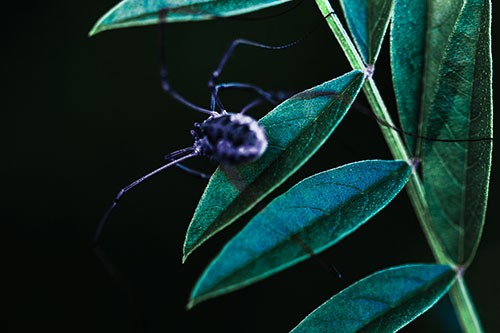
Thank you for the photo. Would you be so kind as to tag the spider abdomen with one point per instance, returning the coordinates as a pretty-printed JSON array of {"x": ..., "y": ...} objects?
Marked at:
[{"x": 231, "y": 139}]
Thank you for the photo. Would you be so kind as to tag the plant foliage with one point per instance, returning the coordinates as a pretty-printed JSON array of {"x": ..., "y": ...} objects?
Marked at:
[
  {"x": 442, "y": 77},
  {"x": 368, "y": 21},
  {"x": 131, "y": 13},
  {"x": 312, "y": 216},
  {"x": 383, "y": 302},
  {"x": 452, "y": 103},
  {"x": 295, "y": 130}
]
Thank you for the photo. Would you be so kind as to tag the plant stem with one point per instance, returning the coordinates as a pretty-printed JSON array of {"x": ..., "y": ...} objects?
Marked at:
[
  {"x": 414, "y": 187},
  {"x": 464, "y": 307},
  {"x": 459, "y": 294}
]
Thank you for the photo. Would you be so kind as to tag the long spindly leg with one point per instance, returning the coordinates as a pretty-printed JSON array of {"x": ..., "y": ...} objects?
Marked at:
[
  {"x": 327, "y": 267},
  {"x": 252, "y": 104},
  {"x": 193, "y": 172},
  {"x": 192, "y": 153},
  {"x": 267, "y": 96},
  {"x": 273, "y": 97},
  {"x": 216, "y": 73},
  {"x": 369, "y": 112},
  {"x": 189, "y": 171},
  {"x": 171, "y": 157},
  {"x": 165, "y": 85}
]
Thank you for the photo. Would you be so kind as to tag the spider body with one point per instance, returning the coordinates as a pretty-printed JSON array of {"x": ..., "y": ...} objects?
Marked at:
[{"x": 230, "y": 138}]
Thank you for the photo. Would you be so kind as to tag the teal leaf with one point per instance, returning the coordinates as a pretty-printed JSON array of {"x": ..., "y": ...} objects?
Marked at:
[
  {"x": 383, "y": 302},
  {"x": 368, "y": 21},
  {"x": 312, "y": 216},
  {"x": 130, "y": 13},
  {"x": 295, "y": 130},
  {"x": 419, "y": 35},
  {"x": 456, "y": 175}
]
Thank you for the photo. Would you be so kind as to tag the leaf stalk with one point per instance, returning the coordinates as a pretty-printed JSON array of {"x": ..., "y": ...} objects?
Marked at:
[{"x": 464, "y": 307}]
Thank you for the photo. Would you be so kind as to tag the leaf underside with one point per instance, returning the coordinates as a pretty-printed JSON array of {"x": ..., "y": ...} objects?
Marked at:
[
  {"x": 382, "y": 302},
  {"x": 368, "y": 21},
  {"x": 456, "y": 175},
  {"x": 441, "y": 62},
  {"x": 419, "y": 35},
  {"x": 130, "y": 13},
  {"x": 295, "y": 130},
  {"x": 312, "y": 216}
]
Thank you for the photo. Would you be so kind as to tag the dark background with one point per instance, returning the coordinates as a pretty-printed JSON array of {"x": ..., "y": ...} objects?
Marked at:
[{"x": 89, "y": 117}]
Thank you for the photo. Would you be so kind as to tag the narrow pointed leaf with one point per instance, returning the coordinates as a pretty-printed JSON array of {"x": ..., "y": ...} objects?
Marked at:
[
  {"x": 383, "y": 302},
  {"x": 368, "y": 21},
  {"x": 312, "y": 216},
  {"x": 456, "y": 175},
  {"x": 295, "y": 130},
  {"x": 419, "y": 35},
  {"x": 129, "y": 13}
]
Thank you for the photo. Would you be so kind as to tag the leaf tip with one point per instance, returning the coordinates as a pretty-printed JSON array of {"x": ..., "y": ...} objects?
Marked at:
[
  {"x": 187, "y": 250},
  {"x": 190, "y": 246},
  {"x": 95, "y": 30},
  {"x": 192, "y": 302}
]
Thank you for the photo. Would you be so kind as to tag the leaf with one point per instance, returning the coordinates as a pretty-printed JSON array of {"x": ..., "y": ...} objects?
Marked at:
[
  {"x": 368, "y": 21},
  {"x": 130, "y": 13},
  {"x": 419, "y": 35},
  {"x": 383, "y": 302},
  {"x": 295, "y": 130},
  {"x": 456, "y": 175},
  {"x": 312, "y": 216}
]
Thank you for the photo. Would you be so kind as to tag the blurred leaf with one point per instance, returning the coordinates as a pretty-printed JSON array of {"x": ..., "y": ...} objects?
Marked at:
[
  {"x": 368, "y": 21},
  {"x": 382, "y": 302},
  {"x": 419, "y": 35},
  {"x": 312, "y": 216},
  {"x": 130, "y": 13},
  {"x": 295, "y": 130},
  {"x": 456, "y": 175}
]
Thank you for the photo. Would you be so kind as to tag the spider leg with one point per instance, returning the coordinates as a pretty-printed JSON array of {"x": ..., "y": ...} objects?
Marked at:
[
  {"x": 252, "y": 104},
  {"x": 189, "y": 171},
  {"x": 216, "y": 73},
  {"x": 273, "y": 97},
  {"x": 193, "y": 172},
  {"x": 267, "y": 96},
  {"x": 170, "y": 157},
  {"x": 165, "y": 85},
  {"x": 124, "y": 190},
  {"x": 328, "y": 267}
]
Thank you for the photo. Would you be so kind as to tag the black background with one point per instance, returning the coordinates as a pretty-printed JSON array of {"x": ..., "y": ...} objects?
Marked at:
[{"x": 89, "y": 117}]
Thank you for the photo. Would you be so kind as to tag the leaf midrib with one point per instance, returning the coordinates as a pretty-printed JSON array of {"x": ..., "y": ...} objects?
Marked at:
[
  {"x": 461, "y": 249},
  {"x": 219, "y": 226},
  {"x": 289, "y": 239},
  {"x": 405, "y": 300}
]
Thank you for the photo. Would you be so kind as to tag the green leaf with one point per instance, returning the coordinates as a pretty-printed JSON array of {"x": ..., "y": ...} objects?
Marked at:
[
  {"x": 368, "y": 21},
  {"x": 130, "y": 13},
  {"x": 383, "y": 302},
  {"x": 456, "y": 175},
  {"x": 295, "y": 130},
  {"x": 419, "y": 35},
  {"x": 312, "y": 216}
]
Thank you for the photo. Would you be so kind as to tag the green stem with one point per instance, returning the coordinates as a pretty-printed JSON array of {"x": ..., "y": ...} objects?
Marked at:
[
  {"x": 415, "y": 188},
  {"x": 460, "y": 297},
  {"x": 464, "y": 307}
]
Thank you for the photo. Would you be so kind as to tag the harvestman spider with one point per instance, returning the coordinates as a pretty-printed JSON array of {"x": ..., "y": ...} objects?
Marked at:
[{"x": 229, "y": 138}]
